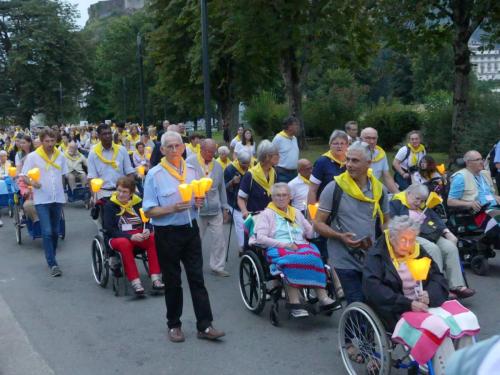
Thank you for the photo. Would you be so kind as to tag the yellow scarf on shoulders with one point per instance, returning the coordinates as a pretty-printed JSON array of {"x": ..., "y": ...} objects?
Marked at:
[
  {"x": 128, "y": 207},
  {"x": 285, "y": 135},
  {"x": 72, "y": 158},
  {"x": 349, "y": 186},
  {"x": 305, "y": 179},
  {"x": 259, "y": 177},
  {"x": 289, "y": 215},
  {"x": 223, "y": 165},
  {"x": 330, "y": 156},
  {"x": 397, "y": 261},
  {"x": 380, "y": 155},
  {"x": 98, "y": 149},
  {"x": 414, "y": 153},
  {"x": 173, "y": 172},
  {"x": 206, "y": 169},
  {"x": 193, "y": 149},
  {"x": 49, "y": 162},
  {"x": 134, "y": 139},
  {"x": 237, "y": 138},
  {"x": 237, "y": 165},
  {"x": 402, "y": 198}
]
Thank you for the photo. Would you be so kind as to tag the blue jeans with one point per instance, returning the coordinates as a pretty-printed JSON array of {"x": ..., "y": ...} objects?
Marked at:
[
  {"x": 285, "y": 175},
  {"x": 351, "y": 284},
  {"x": 50, "y": 217}
]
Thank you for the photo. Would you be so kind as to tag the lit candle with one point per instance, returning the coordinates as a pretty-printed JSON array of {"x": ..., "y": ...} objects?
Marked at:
[
  {"x": 34, "y": 174},
  {"x": 313, "y": 209}
]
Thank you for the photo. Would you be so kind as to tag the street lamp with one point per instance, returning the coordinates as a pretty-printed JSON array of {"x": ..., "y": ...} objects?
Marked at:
[
  {"x": 206, "y": 70},
  {"x": 141, "y": 75}
]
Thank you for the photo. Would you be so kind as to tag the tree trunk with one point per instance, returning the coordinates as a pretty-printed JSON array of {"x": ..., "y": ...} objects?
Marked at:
[
  {"x": 461, "y": 80},
  {"x": 290, "y": 70}
]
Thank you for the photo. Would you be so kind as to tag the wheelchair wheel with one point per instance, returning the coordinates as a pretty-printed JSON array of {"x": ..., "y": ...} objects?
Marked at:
[
  {"x": 479, "y": 265},
  {"x": 100, "y": 266},
  {"x": 252, "y": 283},
  {"x": 17, "y": 223},
  {"x": 361, "y": 330}
]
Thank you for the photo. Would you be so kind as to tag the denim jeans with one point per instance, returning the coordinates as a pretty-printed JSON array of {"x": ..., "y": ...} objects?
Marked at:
[
  {"x": 351, "y": 284},
  {"x": 285, "y": 175},
  {"x": 50, "y": 217}
]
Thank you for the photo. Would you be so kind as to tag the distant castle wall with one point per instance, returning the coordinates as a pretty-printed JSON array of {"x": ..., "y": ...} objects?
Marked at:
[{"x": 107, "y": 8}]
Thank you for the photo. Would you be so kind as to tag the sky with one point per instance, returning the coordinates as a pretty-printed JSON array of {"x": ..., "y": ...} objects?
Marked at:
[{"x": 83, "y": 5}]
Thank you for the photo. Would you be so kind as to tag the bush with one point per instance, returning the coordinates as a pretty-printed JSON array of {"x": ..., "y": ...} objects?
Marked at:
[
  {"x": 265, "y": 115},
  {"x": 437, "y": 121},
  {"x": 392, "y": 121}
]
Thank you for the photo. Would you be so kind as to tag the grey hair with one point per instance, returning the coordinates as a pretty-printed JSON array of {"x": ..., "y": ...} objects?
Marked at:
[
  {"x": 278, "y": 186},
  {"x": 170, "y": 134},
  {"x": 223, "y": 150},
  {"x": 399, "y": 224},
  {"x": 363, "y": 148},
  {"x": 469, "y": 155},
  {"x": 244, "y": 156},
  {"x": 338, "y": 134},
  {"x": 265, "y": 149},
  {"x": 420, "y": 190},
  {"x": 3, "y": 152}
]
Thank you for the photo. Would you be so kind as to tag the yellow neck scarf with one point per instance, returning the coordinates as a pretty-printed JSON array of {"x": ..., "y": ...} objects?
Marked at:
[
  {"x": 63, "y": 147},
  {"x": 173, "y": 172},
  {"x": 193, "y": 149},
  {"x": 330, "y": 156},
  {"x": 98, "y": 149},
  {"x": 397, "y": 261},
  {"x": 72, "y": 158},
  {"x": 414, "y": 153},
  {"x": 128, "y": 207},
  {"x": 402, "y": 197},
  {"x": 349, "y": 186},
  {"x": 237, "y": 165},
  {"x": 285, "y": 135},
  {"x": 223, "y": 165},
  {"x": 380, "y": 155},
  {"x": 289, "y": 215},
  {"x": 142, "y": 157},
  {"x": 304, "y": 179},
  {"x": 49, "y": 162},
  {"x": 134, "y": 139},
  {"x": 207, "y": 169},
  {"x": 237, "y": 138},
  {"x": 259, "y": 177}
]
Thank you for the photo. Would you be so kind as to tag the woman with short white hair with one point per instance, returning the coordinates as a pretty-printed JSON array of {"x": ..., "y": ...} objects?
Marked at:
[{"x": 223, "y": 158}]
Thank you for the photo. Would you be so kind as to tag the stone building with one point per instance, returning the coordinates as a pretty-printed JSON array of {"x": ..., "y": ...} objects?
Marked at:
[
  {"x": 486, "y": 63},
  {"x": 108, "y": 8}
]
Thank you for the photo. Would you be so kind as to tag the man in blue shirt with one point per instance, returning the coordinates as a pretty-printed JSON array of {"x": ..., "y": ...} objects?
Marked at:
[
  {"x": 497, "y": 165},
  {"x": 177, "y": 238}
]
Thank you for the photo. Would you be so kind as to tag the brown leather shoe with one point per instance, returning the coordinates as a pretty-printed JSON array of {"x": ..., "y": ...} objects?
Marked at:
[
  {"x": 210, "y": 334},
  {"x": 176, "y": 335},
  {"x": 464, "y": 292}
]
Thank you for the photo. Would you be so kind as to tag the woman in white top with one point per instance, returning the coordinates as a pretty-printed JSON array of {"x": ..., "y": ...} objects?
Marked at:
[
  {"x": 407, "y": 159},
  {"x": 247, "y": 143}
]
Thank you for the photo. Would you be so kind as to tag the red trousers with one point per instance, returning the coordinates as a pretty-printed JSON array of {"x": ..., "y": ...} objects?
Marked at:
[{"x": 126, "y": 248}]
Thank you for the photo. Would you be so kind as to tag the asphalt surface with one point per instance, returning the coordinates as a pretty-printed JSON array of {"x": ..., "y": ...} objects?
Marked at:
[{"x": 69, "y": 325}]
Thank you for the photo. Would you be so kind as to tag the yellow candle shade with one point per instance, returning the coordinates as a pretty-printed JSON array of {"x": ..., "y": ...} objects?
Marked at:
[
  {"x": 186, "y": 192},
  {"x": 419, "y": 268},
  {"x": 206, "y": 184},
  {"x": 441, "y": 168},
  {"x": 433, "y": 200},
  {"x": 96, "y": 184},
  {"x": 149, "y": 149},
  {"x": 313, "y": 209},
  {"x": 141, "y": 169},
  {"x": 144, "y": 218},
  {"x": 197, "y": 189},
  {"x": 34, "y": 174},
  {"x": 12, "y": 172}
]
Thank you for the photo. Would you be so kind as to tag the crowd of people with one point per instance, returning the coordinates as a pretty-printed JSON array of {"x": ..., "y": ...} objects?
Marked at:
[{"x": 369, "y": 220}]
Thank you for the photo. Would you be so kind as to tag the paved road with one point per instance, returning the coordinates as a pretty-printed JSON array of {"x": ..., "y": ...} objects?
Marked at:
[{"x": 69, "y": 325}]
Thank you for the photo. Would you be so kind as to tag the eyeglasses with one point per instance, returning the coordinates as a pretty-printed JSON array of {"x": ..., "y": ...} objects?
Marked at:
[
  {"x": 335, "y": 144},
  {"x": 173, "y": 147},
  {"x": 480, "y": 159}
]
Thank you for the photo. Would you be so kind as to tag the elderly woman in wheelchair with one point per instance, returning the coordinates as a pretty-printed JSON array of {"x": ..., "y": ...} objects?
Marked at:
[
  {"x": 282, "y": 231},
  {"x": 416, "y": 312}
]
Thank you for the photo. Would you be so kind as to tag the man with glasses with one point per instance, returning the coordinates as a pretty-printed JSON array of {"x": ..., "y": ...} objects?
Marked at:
[
  {"x": 472, "y": 188},
  {"x": 177, "y": 238},
  {"x": 380, "y": 165}
]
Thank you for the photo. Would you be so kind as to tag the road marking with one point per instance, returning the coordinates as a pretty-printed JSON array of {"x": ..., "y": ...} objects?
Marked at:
[{"x": 17, "y": 354}]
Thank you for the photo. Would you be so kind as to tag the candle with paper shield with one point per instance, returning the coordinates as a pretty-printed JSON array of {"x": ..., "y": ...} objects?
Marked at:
[
  {"x": 148, "y": 152},
  {"x": 186, "y": 192},
  {"x": 34, "y": 174},
  {"x": 12, "y": 172},
  {"x": 96, "y": 185},
  {"x": 312, "y": 209},
  {"x": 441, "y": 168},
  {"x": 144, "y": 218},
  {"x": 206, "y": 183},
  {"x": 419, "y": 269},
  {"x": 197, "y": 189},
  {"x": 141, "y": 169}
]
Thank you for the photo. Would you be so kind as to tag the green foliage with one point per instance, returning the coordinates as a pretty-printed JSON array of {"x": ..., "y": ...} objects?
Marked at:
[
  {"x": 437, "y": 119},
  {"x": 265, "y": 115},
  {"x": 392, "y": 121}
]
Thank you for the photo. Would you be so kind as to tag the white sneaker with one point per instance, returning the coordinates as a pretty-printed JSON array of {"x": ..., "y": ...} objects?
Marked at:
[{"x": 299, "y": 313}]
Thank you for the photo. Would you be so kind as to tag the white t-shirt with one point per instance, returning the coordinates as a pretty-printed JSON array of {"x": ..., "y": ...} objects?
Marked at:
[
  {"x": 289, "y": 151},
  {"x": 379, "y": 167},
  {"x": 250, "y": 148},
  {"x": 299, "y": 190},
  {"x": 401, "y": 156}
]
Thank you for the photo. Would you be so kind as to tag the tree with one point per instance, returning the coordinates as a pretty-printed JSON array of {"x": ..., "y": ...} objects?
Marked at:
[
  {"x": 436, "y": 23},
  {"x": 41, "y": 59}
]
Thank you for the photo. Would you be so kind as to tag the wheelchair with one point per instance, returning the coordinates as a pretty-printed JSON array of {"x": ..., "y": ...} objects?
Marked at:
[
  {"x": 78, "y": 194},
  {"x": 256, "y": 283},
  {"x": 7, "y": 190},
  {"x": 362, "y": 329},
  {"x": 107, "y": 262},
  {"x": 34, "y": 230}
]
